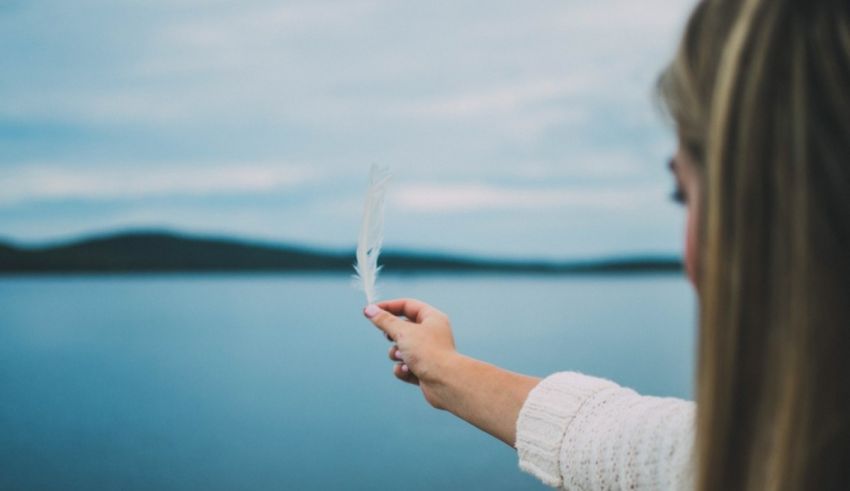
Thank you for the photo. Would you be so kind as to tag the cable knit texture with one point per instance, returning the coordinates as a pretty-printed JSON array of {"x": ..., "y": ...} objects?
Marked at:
[{"x": 584, "y": 433}]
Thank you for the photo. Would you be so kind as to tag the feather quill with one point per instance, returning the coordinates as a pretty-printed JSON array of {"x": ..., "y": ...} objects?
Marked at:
[{"x": 371, "y": 232}]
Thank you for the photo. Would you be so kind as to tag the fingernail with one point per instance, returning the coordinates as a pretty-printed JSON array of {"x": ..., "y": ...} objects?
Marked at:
[
  {"x": 405, "y": 369},
  {"x": 371, "y": 310},
  {"x": 397, "y": 355}
]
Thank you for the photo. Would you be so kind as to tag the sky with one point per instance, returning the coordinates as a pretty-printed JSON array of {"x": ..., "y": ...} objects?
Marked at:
[{"x": 520, "y": 129}]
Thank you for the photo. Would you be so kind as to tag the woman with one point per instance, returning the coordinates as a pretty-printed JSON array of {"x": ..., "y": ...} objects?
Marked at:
[{"x": 760, "y": 93}]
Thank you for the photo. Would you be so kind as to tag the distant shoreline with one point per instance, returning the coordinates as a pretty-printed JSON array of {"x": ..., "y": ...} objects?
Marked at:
[{"x": 162, "y": 253}]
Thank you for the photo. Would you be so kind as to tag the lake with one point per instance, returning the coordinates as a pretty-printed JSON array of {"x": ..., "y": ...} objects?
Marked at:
[{"x": 260, "y": 382}]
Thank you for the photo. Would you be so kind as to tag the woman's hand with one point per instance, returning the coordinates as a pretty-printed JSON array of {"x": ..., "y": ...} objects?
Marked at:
[
  {"x": 424, "y": 346},
  {"x": 482, "y": 394}
]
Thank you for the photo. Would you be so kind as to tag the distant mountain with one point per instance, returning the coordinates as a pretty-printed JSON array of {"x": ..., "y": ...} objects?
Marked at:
[{"x": 160, "y": 252}]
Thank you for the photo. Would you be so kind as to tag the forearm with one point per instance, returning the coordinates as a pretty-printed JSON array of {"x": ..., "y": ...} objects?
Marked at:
[{"x": 484, "y": 395}]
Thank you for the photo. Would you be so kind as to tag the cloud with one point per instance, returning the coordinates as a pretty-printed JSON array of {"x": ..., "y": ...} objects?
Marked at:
[
  {"x": 473, "y": 197},
  {"x": 606, "y": 165},
  {"x": 487, "y": 101},
  {"x": 310, "y": 62},
  {"x": 647, "y": 17},
  {"x": 35, "y": 182},
  {"x": 514, "y": 106},
  {"x": 254, "y": 25},
  {"x": 523, "y": 109}
]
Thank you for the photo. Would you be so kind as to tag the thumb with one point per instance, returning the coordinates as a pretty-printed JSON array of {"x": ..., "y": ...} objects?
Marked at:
[{"x": 384, "y": 320}]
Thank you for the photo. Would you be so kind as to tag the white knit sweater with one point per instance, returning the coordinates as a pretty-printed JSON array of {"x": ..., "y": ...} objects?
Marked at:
[{"x": 584, "y": 433}]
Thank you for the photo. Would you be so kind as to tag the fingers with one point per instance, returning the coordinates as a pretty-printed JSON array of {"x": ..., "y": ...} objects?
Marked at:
[
  {"x": 400, "y": 370},
  {"x": 404, "y": 374},
  {"x": 392, "y": 325},
  {"x": 384, "y": 321},
  {"x": 415, "y": 310}
]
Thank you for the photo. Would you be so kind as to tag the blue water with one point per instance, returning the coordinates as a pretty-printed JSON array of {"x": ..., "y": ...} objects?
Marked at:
[{"x": 277, "y": 382}]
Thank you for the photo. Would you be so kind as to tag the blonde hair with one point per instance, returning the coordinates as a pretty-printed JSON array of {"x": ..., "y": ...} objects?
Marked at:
[{"x": 760, "y": 92}]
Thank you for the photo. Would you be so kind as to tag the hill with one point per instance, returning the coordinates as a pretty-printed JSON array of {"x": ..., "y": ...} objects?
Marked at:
[{"x": 138, "y": 252}]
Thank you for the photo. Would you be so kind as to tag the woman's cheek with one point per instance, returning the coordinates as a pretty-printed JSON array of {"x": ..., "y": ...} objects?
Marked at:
[{"x": 691, "y": 246}]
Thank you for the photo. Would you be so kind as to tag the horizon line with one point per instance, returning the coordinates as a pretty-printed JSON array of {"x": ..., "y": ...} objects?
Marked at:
[{"x": 307, "y": 247}]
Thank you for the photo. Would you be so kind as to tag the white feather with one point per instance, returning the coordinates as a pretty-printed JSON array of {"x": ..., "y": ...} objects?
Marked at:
[{"x": 371, "y": 232}]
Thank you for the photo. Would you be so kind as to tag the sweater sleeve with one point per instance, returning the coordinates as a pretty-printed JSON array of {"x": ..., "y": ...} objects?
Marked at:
[{"x": 581, "y": 432}]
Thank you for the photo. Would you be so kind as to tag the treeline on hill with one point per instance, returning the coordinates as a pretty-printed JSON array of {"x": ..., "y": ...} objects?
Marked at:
[{"x": 167, "y": 252}]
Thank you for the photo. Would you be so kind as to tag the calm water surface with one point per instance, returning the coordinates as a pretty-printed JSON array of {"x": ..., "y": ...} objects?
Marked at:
[{"x": 277, "y": 382}]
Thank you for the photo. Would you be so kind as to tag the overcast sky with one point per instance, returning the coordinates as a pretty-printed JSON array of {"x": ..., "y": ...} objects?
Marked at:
[{"x": 512, "y": 128}]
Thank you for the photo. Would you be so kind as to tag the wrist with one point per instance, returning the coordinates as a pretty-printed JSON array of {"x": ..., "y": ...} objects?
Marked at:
[
  {"x": 445, "y": 366},
  {"x": 445, "y": 384}
]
